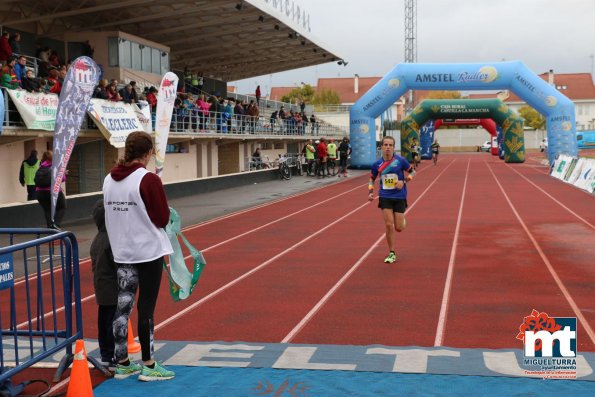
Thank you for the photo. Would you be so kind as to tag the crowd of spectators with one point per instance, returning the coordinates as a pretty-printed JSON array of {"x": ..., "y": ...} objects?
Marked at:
[{"x": 15, "y": 74}]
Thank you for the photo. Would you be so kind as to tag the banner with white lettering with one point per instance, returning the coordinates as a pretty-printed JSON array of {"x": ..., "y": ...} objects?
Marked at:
[
  {"x": 115, "y": 120},
  {"x": 143, "y": 113},
  {"x": 6, "y": 271},
  {"x": 77, "y": 88},
  {"x": 37, "y": 110},
  {"x": 165, "y": 107}
]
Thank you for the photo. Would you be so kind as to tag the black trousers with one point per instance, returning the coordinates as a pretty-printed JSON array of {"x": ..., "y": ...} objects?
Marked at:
[
  {"x": 105, "y": 331},
  {"x": 45, "y": 200},
  {"x": 31, "y": 193}
]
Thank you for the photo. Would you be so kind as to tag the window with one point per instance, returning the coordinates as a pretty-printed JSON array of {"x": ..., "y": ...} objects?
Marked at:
[
  {"x": 146, "y": 57},
  {"x": 164, "y": 63},
  {"x": 124, "y": 60},
  {"x": 112, "y": 52},
  {"x": 155, "y": 61},
  {"x": 136, "y": 55}
]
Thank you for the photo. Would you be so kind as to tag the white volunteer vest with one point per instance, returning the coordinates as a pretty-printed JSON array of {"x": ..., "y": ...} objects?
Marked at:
[{"x": 132, "y": 235}]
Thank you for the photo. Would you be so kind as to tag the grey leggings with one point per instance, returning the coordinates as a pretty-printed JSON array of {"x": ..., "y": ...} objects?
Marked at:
[{"x": 147, "y": 278}]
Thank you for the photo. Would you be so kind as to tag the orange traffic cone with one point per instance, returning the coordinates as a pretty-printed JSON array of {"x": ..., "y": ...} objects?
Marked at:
[
  {"x": 133, "y": 346},
  {"x": 80, "y": 378}
]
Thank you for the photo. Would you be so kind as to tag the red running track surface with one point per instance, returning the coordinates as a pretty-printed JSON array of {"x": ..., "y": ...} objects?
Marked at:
[{"x": 486, "y": 242}]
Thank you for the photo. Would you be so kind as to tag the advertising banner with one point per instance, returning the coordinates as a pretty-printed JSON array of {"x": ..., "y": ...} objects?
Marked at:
[
  {"x": 37, "y": 110},
  {"x": 165, "y": 107},
  {"x": 115, "y": 120},
  {"x": 77, "y": 89},
  {"x": 143, "y": 114}
]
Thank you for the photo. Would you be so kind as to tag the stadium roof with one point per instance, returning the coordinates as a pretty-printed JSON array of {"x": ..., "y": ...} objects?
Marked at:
[{"x": 227, "y": 39}]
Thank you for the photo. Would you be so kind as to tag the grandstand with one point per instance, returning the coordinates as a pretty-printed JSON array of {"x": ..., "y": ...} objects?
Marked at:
[{"x": 139, "y": 40}]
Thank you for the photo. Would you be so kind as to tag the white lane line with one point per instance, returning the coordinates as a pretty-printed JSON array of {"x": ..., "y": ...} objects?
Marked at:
[
  {"x": 549, "y": 266},
  {"x": 60, "y": 309},
  {"x": 304, "y": 321},
  {"x": 451, "y": 265},
  {"x": 554, "y": 199},
  {"x": 254, "y": 270},
  {"x": 85, "y": 260}
]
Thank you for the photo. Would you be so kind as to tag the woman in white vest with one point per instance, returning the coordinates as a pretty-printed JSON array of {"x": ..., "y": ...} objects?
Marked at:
[{"x": 136, "y": 211}]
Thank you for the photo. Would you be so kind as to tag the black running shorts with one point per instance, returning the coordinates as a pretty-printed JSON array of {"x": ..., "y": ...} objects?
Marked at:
[{"x": 397, "y": 205}]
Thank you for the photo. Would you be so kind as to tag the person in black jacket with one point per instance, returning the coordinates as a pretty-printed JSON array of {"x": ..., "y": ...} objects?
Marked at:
[{"x": 105, "y": 282}]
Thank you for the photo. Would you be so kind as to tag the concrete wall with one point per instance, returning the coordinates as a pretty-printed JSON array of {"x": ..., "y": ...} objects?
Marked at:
[{"x": 79, "y": 207}]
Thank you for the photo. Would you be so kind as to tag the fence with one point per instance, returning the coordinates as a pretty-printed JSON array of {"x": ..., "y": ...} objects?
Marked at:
[{"x": 40, "y": 314}]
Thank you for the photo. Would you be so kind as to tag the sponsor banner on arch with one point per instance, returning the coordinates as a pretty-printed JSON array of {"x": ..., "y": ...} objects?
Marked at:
[
  {"x": 37, "y": 110},
  {"x": 115, "y": 120}
]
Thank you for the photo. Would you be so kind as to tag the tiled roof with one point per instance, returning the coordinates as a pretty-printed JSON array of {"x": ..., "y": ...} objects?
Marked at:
[{"x": 576, "y": 86}]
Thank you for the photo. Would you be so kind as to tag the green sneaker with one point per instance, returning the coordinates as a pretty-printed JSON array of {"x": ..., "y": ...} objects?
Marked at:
[
  {"x": 124, "y": 371},
  {"x": 391, "y": 258},
  {"x": 157, "y": 373}
]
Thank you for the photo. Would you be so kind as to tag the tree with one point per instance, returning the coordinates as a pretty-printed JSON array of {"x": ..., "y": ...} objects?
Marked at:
[
  {"x": 532, "y": 117},
  {"x": 304, "y": 93},
  {"x": 443, "y": 95},
  {"x": 326, "y": 97}
]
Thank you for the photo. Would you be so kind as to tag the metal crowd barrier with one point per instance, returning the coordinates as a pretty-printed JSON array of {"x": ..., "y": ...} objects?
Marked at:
[{"x": 40, "y": 311}]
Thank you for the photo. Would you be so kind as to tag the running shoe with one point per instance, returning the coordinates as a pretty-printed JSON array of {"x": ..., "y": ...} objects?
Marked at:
[
  {"x": 391, "y": 258},
  {"x": 124, "y": 371},
  {"x": 110, "y": 364},
  {"x": 157, "y": 373}
]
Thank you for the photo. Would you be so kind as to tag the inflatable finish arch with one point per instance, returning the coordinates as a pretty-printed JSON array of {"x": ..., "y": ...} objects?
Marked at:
[
  {"x": 557, "y": 108},
  {"x": 488, "y": 124},
  {"x": 495, "y": 109}
]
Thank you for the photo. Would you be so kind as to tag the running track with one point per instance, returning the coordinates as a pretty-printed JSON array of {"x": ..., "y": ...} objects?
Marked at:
[{"x": 486, "y": 242}]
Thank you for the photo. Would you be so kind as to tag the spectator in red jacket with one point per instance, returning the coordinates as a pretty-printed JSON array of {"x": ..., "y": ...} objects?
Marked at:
[
  {"x": 5, "y": 50},
  {"x": 322, "y": 153}
]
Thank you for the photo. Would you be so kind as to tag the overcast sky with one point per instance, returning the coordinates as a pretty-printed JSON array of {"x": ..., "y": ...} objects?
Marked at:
[{"x": 369, "y": 35}]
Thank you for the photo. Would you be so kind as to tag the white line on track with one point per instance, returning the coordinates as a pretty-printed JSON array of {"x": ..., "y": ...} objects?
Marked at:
[
  {"x": 60, "y": 309},
  {"x": 451, "y": 265},
  {"x": 269, "y": 261},
  {"x": 254, "y": 270},
  {"x": 555, "y": 200},
  {"x": 85, "y": 260},
  {"x": 549, "y": 266},
  {"x": 304, "y": 321}
]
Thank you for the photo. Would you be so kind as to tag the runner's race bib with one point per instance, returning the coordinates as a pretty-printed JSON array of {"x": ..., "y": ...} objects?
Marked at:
[{"x": 389, "y": 181}]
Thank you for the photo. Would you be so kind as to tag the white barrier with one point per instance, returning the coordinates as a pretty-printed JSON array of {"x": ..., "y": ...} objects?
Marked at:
[{"x": 577, "y": 172}]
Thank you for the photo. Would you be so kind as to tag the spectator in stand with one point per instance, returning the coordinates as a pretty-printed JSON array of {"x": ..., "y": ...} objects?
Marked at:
[
  {"x": 239, "y": 111},
  {"x": 88, "y": 50},
  {"x": 201, "y": 82},
  {"x": 314, "y": 123},
  {"x": 257, "y": 93},
  {"x": 253, "y": 113},
  {"x": 44, "y": 54},
  {"x": 30, "y": 82},
  {"x": 55, "y": 86},
  {"x": 282, "y": 117},
  {"x": 203, "y": 112},
  {"x": 20, "y": 69},
  {"x": 112, "y": 91},
  {"x": 302, "y": 106},
  {"x": 298, "y": 123},
  {"x": 100, "y": 91},
  {"x": 152, "y": 99},
  {"x": 273, "y": 120},
  {"x": 15, "y": 44},
  {"x": 54, "y": 60},
  {"x": 127, "y": 95},
  {"x": 8, "y": 79},
  {"x": 134, "y": 92},
  {"x": 228, "y": 113},
  {"x": 304, "y": 122},
  {"x": 62, "y": 75},
  {"x": 5, "y": 49}
]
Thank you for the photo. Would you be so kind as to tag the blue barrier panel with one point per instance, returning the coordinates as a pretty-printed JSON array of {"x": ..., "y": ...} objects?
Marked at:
[{"x": 40, "y": 310}]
